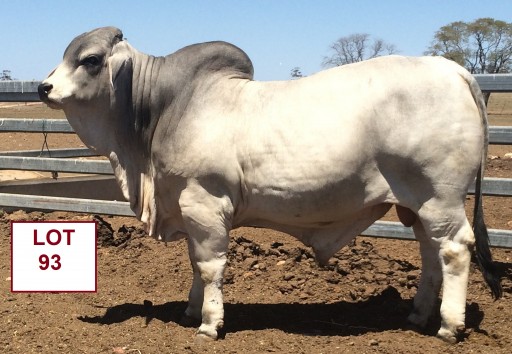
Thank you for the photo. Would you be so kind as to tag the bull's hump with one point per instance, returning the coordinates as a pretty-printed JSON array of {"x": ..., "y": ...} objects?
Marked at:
[{"x": 216, "y": 56}]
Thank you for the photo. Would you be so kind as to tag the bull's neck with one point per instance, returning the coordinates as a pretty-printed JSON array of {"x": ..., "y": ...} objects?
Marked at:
[
  {"x": 147, "y": 105},
  {"x": 136, "y": 113}
]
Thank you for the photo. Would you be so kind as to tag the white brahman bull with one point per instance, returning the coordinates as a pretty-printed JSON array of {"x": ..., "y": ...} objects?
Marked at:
[{"x": 199, "y": 148}]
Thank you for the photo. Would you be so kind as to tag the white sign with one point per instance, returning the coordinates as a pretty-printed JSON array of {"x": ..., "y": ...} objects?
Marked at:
[{"x": 53, "y": 256}]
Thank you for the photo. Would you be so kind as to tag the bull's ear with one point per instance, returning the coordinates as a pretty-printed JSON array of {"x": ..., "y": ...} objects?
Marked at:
[{"x": 120, "y": 67}]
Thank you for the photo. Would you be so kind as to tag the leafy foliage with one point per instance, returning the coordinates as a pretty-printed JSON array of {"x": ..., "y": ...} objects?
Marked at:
[{"x": 483, "y": 46}]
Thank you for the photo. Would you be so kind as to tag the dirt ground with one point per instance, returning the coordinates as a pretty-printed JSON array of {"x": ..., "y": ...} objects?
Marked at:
[{"x": 277, "y": 299}]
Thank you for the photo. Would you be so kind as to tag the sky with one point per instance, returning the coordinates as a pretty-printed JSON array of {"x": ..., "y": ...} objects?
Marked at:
[{"x": 278, "y": 35}]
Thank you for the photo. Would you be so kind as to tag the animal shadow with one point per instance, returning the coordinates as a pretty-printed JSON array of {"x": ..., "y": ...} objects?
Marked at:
[
  {"x": 382, "y": 312},
  {"x": 168, "y": 312}
]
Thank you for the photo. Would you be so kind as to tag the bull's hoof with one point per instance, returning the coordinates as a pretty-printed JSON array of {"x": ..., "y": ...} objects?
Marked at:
[
  {"x": 208, "y": 332},
  {"x": 449, "y": 336}
]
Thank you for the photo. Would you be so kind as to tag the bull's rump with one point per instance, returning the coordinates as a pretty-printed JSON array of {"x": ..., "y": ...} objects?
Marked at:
[{"x": 351, "y": 137}]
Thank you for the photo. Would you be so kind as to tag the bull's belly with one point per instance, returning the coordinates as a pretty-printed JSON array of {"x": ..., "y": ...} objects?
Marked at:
[
  {"x": 315, "y": 220},
  {"x": 325, "y": 230},
  {"x": 336, "y": 204}
]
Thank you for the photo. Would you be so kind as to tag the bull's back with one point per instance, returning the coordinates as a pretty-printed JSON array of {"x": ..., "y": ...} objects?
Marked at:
[{"x": 350, "y": 115}]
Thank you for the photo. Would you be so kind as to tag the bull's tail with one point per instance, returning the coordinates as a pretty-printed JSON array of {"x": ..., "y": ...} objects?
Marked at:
[{"x": 483, "y": 253}]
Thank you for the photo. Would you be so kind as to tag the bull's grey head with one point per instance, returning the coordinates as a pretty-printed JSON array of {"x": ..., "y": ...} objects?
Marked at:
[
  {"x": 86, "y": 66},
  {"x": 84, "y": 84}
]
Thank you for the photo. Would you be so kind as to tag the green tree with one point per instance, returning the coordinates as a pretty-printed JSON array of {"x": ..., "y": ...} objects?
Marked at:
[
  {"x": 483, "y": 46},
  {"x": 356, "y": 47}
]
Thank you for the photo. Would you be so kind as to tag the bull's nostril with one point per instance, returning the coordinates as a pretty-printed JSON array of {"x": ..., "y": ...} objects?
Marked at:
[{"x": 44, "y": 89}]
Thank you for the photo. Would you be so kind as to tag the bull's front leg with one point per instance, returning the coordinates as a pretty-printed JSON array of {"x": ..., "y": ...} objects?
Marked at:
[
  {"x": 205, "y": 219},
  {"x": 210, "y": 261}
]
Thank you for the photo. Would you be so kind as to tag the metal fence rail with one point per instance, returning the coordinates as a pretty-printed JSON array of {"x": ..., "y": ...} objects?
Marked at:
[
  {"x": 494, "y": 82},
  {"x": 383, "y": 229},
  {"x": 391, "y": 229},
  {"x": 496, "y": 187},
  {"x": 499, "y": 135},
  {"x": 35, "y": 125},
  {"x": 66, "y": 152},
  {"x": 26, "y": 91},
  {"x": 19, "y": 91},
  {"x": 78, "y": 205},
  {"x": 55, "y": 164},
  {"x": 55, "y": 161}
]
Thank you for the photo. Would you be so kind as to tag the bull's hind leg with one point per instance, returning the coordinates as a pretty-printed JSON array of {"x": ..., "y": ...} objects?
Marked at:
[
  {"x": 431, "y": 277},
  {"x": 195, "y": 296},
  {"x": 448, "y": 225}
]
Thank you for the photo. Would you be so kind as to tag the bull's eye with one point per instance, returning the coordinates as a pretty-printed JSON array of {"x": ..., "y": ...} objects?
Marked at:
[{"x": 91, "y": 60}]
